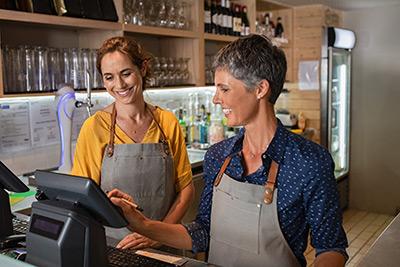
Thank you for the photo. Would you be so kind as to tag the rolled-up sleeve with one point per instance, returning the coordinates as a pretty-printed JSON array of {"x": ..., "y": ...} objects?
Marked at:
[{"x": 324, "y": 214}]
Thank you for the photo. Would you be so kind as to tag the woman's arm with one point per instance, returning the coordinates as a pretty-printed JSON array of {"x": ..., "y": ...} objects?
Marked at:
[
  {"x": 174, "y": 235},
  {"x": 180, "y": 205},
  {"x": 330, "y": 259}
]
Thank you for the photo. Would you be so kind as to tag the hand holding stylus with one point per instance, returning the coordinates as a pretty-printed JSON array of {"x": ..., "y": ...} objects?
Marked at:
[{"x": 130, "y": 209}]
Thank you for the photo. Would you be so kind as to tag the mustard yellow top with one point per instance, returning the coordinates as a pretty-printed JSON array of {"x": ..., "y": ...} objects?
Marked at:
[{"x": 94, "y": 137}]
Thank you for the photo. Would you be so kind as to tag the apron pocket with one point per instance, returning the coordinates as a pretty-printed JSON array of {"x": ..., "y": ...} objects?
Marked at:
[
  {"x": 235, "y": 222},
  {"x": 142, "y": 176}
]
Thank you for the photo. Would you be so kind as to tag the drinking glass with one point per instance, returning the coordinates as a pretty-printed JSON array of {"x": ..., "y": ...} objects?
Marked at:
[
  {"x": 66, "y": 66},
  {"x": 152, "y": 14},
  {"x": 30, "y": 68},
  {"x": 138, "y": 16},
  {"x": 54, "y": 68},
  {"x": 9, "y": 70},
  {"x": 172, "y": 17},
  {"x": 162, "y": 14},
  {"x": 75, "y": 68},
  {"x": 97, "y": 81},
  {"x": 86, "y": 70},
  {"x": 127, "y": 5},
  {"x": 182, "y": 21}
]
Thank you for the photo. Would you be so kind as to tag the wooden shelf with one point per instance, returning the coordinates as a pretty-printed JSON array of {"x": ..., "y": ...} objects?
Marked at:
[
  {"x": 159, "y": 31},
  {"x": 220, "y": 38},
  {"x": 52, "y": 20},
  {"x": 29, "y": 94}
]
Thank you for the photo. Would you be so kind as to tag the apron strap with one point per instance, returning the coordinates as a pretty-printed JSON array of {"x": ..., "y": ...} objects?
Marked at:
[
  {"x": 270, "y": 183},
  {"x": 222, "y": 171},
  {"x": 163, "y": 138},
  {"x": 110, "y": 148}
]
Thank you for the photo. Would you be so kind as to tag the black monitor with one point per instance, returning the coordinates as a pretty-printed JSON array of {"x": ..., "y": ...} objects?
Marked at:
[
  {"x": 9, "y": 182},
  {"x": 82, "y": 191}
]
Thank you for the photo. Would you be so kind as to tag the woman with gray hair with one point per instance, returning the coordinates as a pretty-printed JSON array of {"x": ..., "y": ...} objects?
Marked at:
[{"x": 265, "y": 188}]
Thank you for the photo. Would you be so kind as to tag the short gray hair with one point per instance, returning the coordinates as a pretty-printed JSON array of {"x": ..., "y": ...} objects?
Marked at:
[{"x": 254, "y": 58}]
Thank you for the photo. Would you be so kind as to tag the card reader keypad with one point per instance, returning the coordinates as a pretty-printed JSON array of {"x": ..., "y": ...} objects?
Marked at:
[
  {"x": 20, "y": 226},
  {"x": 127, "y": 258}
]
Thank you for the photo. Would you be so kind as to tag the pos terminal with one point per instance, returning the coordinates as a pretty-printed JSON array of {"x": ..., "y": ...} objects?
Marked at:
[{"x": 66, "y": 229}]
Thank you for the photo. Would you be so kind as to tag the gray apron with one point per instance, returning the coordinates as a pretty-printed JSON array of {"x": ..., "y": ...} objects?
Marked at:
[
  {"x": 245, "y": 229},
  {"x": 144, "y": 171}
]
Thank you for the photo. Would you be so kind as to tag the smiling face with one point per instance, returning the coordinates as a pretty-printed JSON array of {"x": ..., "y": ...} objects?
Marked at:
[
  {"x": 238, "y": 104},
  {"x": 122, "y": 79}
]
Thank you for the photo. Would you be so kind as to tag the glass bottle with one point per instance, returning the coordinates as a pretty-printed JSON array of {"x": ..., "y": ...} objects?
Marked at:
[
  {"x": 216, "y": 129},
  {"x": 207, "y": 16}
]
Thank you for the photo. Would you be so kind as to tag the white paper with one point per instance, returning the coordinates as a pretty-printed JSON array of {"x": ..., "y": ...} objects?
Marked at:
[
  {"x": 44, "y": 126},
  {"x": 14, "y": 126},
  {"x": 309, "y": 75}
]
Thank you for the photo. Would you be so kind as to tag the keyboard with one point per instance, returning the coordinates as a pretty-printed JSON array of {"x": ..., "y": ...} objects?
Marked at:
[
  {"x": 128, "y": 258},
  {"x": 20, "y": 226}
]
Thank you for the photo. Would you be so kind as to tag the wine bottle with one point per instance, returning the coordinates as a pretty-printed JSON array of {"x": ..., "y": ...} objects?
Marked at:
[
  {"x": 279, "y": 28},
  {"x": 245, "y": 30},
  {"x": 220, "y": 27},
  {"x": 238, "y": 23},
  {"x": 224, "y": 21},
  {"x": 229, "y": 18},
  {"x": 207, "y": 16},
  {"x": 214, "y": 17}
]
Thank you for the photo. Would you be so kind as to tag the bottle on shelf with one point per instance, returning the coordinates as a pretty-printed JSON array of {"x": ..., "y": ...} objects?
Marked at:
[
  {"x": 279, "y": 28},
  {"x": 214, "y": 17},
  {"x": 237, "y": 23},
  {"x": 245, "y": 27},
  {"x": 216, "y": 129},
  {"x": 229, "y": 18},
  {"x": 220, "y": 26},
  {"x": 224, "y": 12},
  {"x": 271, "y": 26},
  {"x": 203, "y": 126},
  {"x": 207, "y": 17},
  {"x": 182, "y": 123}
]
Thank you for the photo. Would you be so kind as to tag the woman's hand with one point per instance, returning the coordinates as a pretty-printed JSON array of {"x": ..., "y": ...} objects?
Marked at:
[
  {"x": 129, "y": 208},
  {"x": 137, "y": 241}
]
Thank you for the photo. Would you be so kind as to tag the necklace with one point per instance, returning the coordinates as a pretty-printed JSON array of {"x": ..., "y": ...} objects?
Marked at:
[{"x": 252, "y": 154}]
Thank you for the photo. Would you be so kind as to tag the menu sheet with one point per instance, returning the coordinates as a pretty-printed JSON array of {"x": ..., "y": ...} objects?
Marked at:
[
  {"x": 43, "y": 123},
  {"x": 14, "y": 126}
]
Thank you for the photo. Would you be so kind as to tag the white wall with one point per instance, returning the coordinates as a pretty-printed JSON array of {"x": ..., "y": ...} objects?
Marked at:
[{"x": 375, "y": 136}]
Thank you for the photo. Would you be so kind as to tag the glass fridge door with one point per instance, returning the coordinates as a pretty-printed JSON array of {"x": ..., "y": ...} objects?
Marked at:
[{"x": 339, "y": 108}]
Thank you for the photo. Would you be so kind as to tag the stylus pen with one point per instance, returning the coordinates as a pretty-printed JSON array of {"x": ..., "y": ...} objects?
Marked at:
[{"x": 132, "y": 204}]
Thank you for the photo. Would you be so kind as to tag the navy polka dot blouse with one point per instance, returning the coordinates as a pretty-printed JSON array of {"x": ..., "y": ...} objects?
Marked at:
[{"x": 308, "y": 199}]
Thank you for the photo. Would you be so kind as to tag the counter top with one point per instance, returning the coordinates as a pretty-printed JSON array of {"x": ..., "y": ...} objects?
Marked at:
[
  {"x": 196, "y": 157},
  {"x": 385, "y": 250}
]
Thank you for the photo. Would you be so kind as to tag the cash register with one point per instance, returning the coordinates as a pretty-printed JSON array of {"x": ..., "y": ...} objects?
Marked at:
[{"x": 67, "y": 227}]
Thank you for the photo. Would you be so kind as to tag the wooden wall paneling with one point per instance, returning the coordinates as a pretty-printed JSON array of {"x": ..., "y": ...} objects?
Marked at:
[{"x": 289, "y": 61}]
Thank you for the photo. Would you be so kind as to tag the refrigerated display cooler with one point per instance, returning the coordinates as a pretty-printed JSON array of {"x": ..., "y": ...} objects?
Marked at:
[{"x": 335, "y": 101}]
